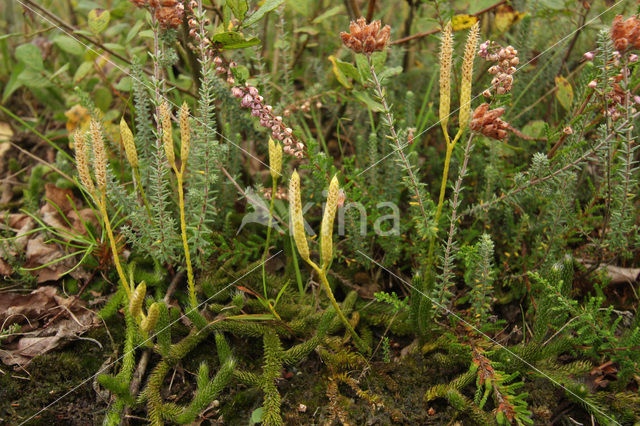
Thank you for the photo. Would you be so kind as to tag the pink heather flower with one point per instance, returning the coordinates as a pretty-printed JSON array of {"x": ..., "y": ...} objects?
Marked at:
[
  {"x": 592, "y": 84},
  {"x": 236, "y": 92},
  {"x": 589, "y": 56},
  {"x": 253, "y": 91},
  {"x": 633, "y": 58},
  {"x": 636, "y": 99},
  {"x": 246, "y": 101}
]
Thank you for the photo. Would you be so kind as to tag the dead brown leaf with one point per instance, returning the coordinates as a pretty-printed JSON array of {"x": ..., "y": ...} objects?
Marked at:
[
  {"x": 62, "y": 211},
  {"x": 30, "y": 311}
]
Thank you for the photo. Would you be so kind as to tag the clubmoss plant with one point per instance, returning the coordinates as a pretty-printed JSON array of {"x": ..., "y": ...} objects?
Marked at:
[
  {"x": 99, "y": 190},
  {"x": 326, "y": 242}
]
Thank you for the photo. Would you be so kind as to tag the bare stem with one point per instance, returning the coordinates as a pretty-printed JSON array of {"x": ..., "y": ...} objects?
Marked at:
[
  {"x": 187, "y": 256},
  {"x": 325, "y": 283},
  {"x": 102, "y": 204}
]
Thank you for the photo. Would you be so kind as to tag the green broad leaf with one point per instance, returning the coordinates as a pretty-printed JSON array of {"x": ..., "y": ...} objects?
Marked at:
[
  {"x": 241, "y": 74},
  {"x": 366, "y": 99},
  {"x": 98, "y": 20},
  {"x": 534, "y": 129},
  {"x": 329, "y": 14},
  {"x": 300, "y": 6},
  {"x": 69, "y": 45},
  {"x": 103, "y": 98},
  {"x": 379, "y": 59},
  {"x": 239, "y": 8},
  {"x": 124, "y": 85},
  {"x": 30, "y": 56},
  {"x": 564, "y": 92},
  {"x": 234, "y": 40},
  {"x": 266, "y": 7},
  {"x": 59, "y": 71},
  {"x": 363, "y": 67},
  {"x": 553, "y": 4},
  {"x": 133, "y": 32},
  {"x": 256, "y": 416},
  {"x": 33, "y": 79},
  {"x": 84, "y": 33},
  {"x": 389, "y": 72},
  {"x": 14, "y": 82},
  {"x": 82, "y": 71},
  {"x": 146, "y": 33},
  {"x": 346, "y": 69},
  {"x": 339, "y": 73},
  {"x": 226, "y": 16},
  {"x": 308, "y": 29},
  {"x": 116, "y": 47}
]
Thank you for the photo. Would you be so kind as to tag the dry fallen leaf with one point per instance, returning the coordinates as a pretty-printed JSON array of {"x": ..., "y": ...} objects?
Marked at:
[
  {"x": 30, "y": 311},
  {"x": 61, "y": 211}
]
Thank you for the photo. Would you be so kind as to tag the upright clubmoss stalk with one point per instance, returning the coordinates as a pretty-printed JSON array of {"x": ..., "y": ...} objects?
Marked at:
[
  {"x": 275, "y": 167},
  {"x": 99, "y": 190},
  {"x": 326, "y": 244},
  {"x": 465, "y": 105},
  {"x": 185, "y": 141}
]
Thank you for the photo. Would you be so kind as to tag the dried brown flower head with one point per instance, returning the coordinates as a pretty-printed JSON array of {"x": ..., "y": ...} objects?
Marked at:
[
  {"x": 366, "y": 38},
  {"x": 170, "y": 14},
  {"x": 488, "y": 122},
  {"x": 625, "y": 33}
]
